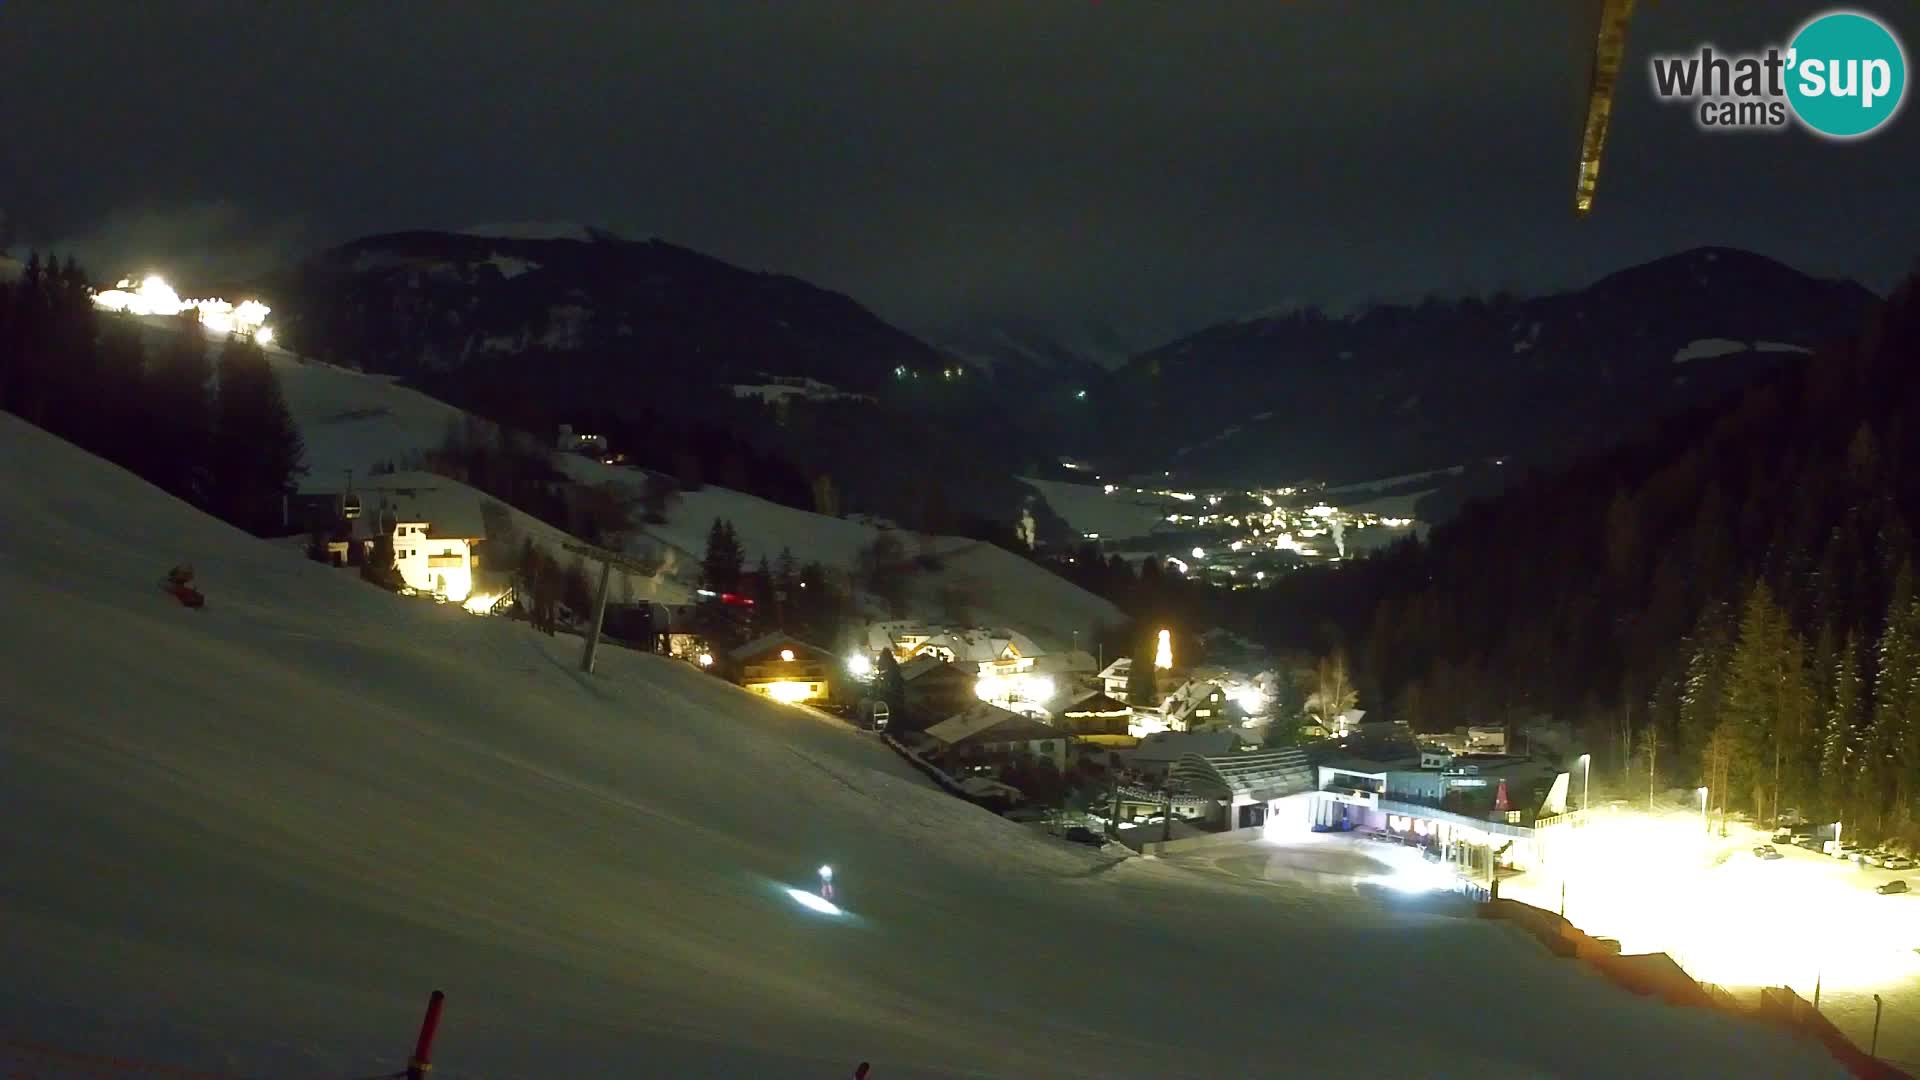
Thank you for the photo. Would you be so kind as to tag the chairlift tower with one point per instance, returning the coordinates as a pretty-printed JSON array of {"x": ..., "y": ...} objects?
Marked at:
[{"x": 607, "y": 560}]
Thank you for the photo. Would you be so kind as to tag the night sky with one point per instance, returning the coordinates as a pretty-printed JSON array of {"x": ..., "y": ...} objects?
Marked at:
[{"x": 1155, "y": 165}]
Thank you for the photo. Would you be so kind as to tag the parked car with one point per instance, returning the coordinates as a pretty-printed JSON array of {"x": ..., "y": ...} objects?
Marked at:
[
  {"x": 1873, "y": 858},
  {"x": 1771, "y": 854},
  {"x": 1080, "y": 834},
  {"x": 1897, "y": 862},
  {"x": 1765, "y": 850},
  {"x": 1783, "y": 837},
  {"x": 1897, "y": 885}
]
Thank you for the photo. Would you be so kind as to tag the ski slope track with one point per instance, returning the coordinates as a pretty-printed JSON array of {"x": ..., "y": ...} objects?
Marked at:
[{"x": 249, "y": 839}]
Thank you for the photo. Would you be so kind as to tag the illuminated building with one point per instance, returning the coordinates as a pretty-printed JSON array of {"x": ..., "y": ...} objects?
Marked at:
[
  {"x": 790, "y": 671},
  {"x": 435, "y": 528},
  {"x": 1096, "y": 718}
]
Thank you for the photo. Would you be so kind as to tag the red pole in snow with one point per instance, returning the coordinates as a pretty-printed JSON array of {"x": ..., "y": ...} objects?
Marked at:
[{"x": 421, "y": 1063}]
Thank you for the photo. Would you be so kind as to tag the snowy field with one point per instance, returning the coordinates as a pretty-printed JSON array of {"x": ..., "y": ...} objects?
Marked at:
[
  {"x": 1123, "y": 515},
  {"x": 1000, "y": 588},
  {"x": 250, "y": 839}
]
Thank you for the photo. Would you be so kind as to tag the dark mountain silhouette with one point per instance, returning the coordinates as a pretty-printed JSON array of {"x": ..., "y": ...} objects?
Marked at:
[{"x": 1401, "y": 389}]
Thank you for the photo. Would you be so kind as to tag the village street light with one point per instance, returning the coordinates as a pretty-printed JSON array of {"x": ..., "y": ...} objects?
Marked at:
[
  {"x": 1586, "y": 783},
  {"x": 1703, "y": 811}
]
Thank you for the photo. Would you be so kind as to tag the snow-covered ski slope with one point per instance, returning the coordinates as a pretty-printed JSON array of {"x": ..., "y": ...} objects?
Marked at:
[
  {"x": 250, "y": 839},
  {"x": 352, "y": 421},
  {"x": 996, "y": 587}
]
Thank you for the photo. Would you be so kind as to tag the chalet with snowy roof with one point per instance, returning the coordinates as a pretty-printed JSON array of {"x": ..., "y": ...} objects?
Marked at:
[
  {"x": 986, "y": 735},
  {"x": 1195, "y": 706},
  {"x": 1113, "y": 678},
  {"x": 937, "y": 689},
  {"x": 1156, "y": 753},
  {"x": 992, "y": 650},
  {"x": 435, "y": 525},
  {"x": 786, "y": 669},
  {"x": 1096, "y": 718},
  {"x": 1075, "y": 666}
]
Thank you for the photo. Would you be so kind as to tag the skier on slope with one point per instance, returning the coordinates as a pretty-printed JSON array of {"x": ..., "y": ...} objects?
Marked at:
[{"x": 180, "y": 583}]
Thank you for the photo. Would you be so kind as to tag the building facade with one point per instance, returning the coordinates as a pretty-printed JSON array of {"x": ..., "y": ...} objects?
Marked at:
[{"x": 785, "y": 669}]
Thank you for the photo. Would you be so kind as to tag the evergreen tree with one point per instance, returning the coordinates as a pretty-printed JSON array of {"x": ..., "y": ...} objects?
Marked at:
[
  {"x": 786, "y": 584},
  {"x": 720, "y": 568},
  {"x": 182, "y": 413},
  {"x": 760, "y": 585},
  {"x": 123, "y": 397},
  {"x": 1766, "y": 700},
  {"x": 892, "y": 689},
  {"x": 1839, "y": 770},
  {"x": 1895, "y": 734},
  {"x": 1143, "y": 678},
  {"x": 1703, "y": 685},
  {"x": 379, "y": 567},
  {"x": 257, "y": 450}
]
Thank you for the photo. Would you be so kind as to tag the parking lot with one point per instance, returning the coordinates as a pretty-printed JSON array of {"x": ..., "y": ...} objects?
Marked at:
[{"x": 1662, "y": 882}]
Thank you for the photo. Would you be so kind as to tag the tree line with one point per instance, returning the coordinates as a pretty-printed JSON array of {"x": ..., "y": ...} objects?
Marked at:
[
  {"x": 1726, "y": 602},
  {"x": 802, "y": 599},
  {"x": 209, "y": 427}
]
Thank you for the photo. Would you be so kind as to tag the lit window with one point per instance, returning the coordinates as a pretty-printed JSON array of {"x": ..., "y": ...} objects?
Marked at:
[{"x": 786, "y": 654}]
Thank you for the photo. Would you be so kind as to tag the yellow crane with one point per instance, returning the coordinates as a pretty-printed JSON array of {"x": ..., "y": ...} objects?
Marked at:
[{"x": 1609, "y": 52}]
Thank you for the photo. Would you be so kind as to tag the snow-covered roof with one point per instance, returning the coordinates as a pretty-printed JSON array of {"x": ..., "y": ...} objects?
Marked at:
[
  {"x": 980, "y": 644},
  {"x": 1095, "y": 703},
  {"x": 448, "y": 510},
  {"x": 990, "y": 723},
  {"x": 924, "y": 664},
  {"x": 1191, "y": 695},
  {"x": 985, "y": 787},
  {"x": 766, "y": 642},
  {"x": 1268, "y": 774},
  {"x": 1071, "y": 662},
  {"x": 1167, "y": 746},
  {"x": 1119, "y": 669}
]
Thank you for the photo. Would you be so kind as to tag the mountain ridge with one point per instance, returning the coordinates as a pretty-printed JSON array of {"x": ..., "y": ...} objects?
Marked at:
[{"x": 1402, "y": 388}]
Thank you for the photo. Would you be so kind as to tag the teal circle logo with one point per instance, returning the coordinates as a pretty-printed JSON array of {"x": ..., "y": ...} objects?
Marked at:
[{"x": 1847, "y": 74}]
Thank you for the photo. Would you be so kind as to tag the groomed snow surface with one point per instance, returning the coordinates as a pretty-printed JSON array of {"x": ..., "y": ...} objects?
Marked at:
[
  {"x": 250, "y": 839},
  {"x": 998, "y": 587}
]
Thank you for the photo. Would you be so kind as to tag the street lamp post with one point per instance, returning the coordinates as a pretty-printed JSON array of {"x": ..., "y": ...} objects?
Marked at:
[
  {"x": 1704, "y": 824},
  {"x": 1586, "y": 782}
]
